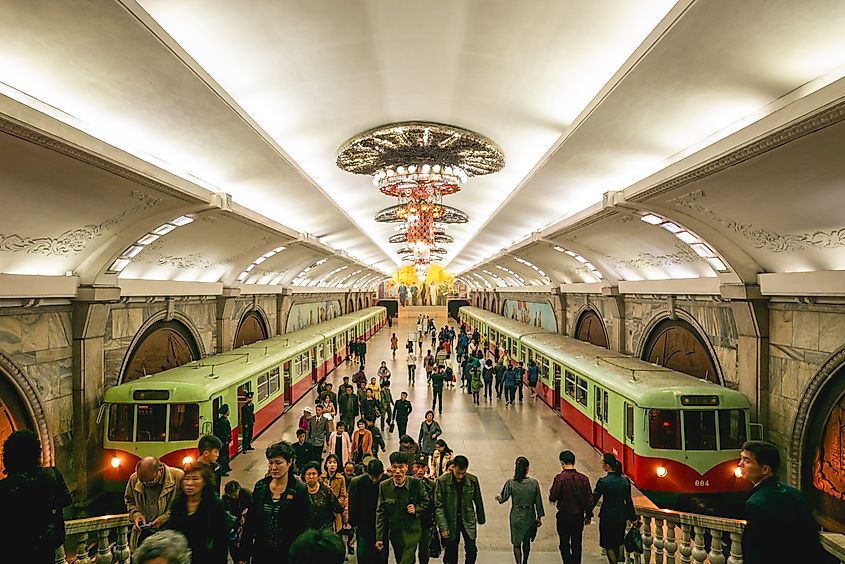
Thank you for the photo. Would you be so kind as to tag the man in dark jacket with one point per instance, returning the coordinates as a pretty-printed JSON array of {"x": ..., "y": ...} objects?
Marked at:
[
  {"x": 401, "y": 411},
  {"x": 223, "y": 431},
  {"x": 371, "y": 408},
  {"x": 437, "y": 377},
  {"x": 402, "y": 499},
  {"x": 363, "y": 500},
  {"x": 362, "y": 352},
  {"x": 348, "y": 406},
  {"x": 772, "y": 506},
  {"x": 573, "y": 496},
  {"x": 427, "y": 516},
  {"x": 499, "y": 374},
  {"x": 459, "y": 509},
  {"x": 248, "y": 421},
  {"x": 303, "y": 452}
]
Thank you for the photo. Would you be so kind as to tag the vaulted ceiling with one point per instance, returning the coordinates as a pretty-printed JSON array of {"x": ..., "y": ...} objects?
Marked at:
[{"x": 722, "y": 119}]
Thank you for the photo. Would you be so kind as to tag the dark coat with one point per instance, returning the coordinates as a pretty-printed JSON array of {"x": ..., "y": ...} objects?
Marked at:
[
  {"x": 293, "y": 515},
  {"x": 248, "y": 414},
  {"x": 363, "y": 500},
  {"x": 348, "y": 406},
  {"x": 402, "y": 409},
  {"x": 223, "y": 430},
  {"x": 207, "y": 530},
  {"x": 771, "y": 507},
  {"x": 446, "y": 505},
  {"x": 392, "y": 514},
  {"x": 615, "y": 489}
]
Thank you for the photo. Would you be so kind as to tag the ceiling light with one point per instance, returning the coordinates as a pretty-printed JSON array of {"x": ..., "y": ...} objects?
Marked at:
[
  {"x": 580, "y": 259},
  {"x": 279, "y": 249},
  {"x": 671, "y": 227},
  {"x": 260, "y": 259},
  {"x": 570, "y": 253},
  {"x": 147, "y": 239},
  {"x": 687, "y": 237},
  {"x": 249, "y": 268},
  {"x": 164, "y": 229},
  {"x": 182, "y": 220},
  {"x": 703, "y": 250},
  {"x": 242, "y": 276},
  {"x": 716, "y": 264},
  {"x": 118, "y": 265},
  {"x": 559, "y": 249},
  {"x": 652, "y": 219},
  {"x": 132, "y": 251}
]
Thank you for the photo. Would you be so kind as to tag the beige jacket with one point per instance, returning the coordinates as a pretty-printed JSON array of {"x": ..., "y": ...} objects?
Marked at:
[{"x": 135, "y": 494}]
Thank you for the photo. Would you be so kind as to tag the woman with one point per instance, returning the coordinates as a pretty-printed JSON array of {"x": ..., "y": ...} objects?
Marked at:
[
  {"x": 487, "y": 376},
  {"x": 617, "y": 509},
  {"x": 384, "y": 372},
  {"x": 278, "y": 512},
  {"x": 236, "y": 501},
  {"x": 394, "y": 344},
  {"x": 440, "y": 458},
  {"x": 526, "y": 509},
  {"x": 340, "y": 443},
  {"x": 323, "y": 506},
  {"x": 31, "y": 498},
  {"x": 362, "y": 442},
  {"x": 533, "y": 377},
  {"x": 199, "y": 514},
  {"x": 475, "y": 382},
  {"x": 335, "y": 482},
  {"x": 376, "y": 388},
  {"x": 409, "y": 447},
  {"x": 328, "y": 406},
  {"x": 430, "y": 431}
]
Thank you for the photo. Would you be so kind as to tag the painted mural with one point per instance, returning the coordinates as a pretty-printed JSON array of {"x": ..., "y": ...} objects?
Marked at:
[
  {"x": 538, "y": 314},
  {"x": 304, "y": 315}
]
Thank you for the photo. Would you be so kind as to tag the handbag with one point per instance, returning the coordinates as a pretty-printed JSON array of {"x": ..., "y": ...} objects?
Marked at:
[
  {"x": 634, "y": 540},
  {"x": 434, "y": 547}
]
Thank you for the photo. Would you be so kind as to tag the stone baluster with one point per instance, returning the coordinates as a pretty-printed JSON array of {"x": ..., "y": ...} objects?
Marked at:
[
  {"x": 121, "y": 551},
  {"x": 686, "y": 545},
  {"x": 104, "y": 555},
  {"x": 716, "y": 556},
  {"x": 647, "y": 539},
  {"x": 82, "y": 550},
  {"x": 699, "y": 553},
  {"x": 659, "y": 554},
  {"x": 671, "y": 544},
  {"x": 736, "y": 549},
  {"x": 61, "y": 557}
]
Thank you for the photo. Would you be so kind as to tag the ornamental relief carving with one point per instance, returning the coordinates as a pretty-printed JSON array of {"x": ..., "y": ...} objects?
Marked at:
[
  {"x": 683, "y": 255},
  {"x": 73, "y": 241},
  {"x": 154, "y": 254},
  {"x": 762, "y": 238}
]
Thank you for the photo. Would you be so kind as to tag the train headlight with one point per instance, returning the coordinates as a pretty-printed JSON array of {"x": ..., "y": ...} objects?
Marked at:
[
  {"x": 115, "y": 462},
  {"x": 661, "y": 471},
  {"x": 738, "y": 472},
  {"x": 187, "y": 460}
]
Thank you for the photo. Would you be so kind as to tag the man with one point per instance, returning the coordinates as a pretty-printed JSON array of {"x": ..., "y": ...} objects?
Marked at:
[
  {"x": 362, "y": 352},
  {"x": 386, "y": 406},
  {"x": 371, "y": 408},
  {"x": 400, "y": 502},
  {"x": 164, "y": 547},
  {"x": 401, "y": 411},
  {"x": 428, "y": 364},
  {"x": 348, "y": 406},
  {"x": 209, "y": 452},
  {"x": 378, "y": 438},
  {"x": 519, "y": 373},
  {"x": 426, "y": 517},
  {"x": 318, "y": 429},
  {"x": 437, "y": 377},
  {"x": 149, "y": 493},
  {"x": 771, "y": 506},
  {"x": 302, "y": 450},
  {"x": 360, "y": 377},
  {"x": 459, "y": 508},
  {"x": 412, "y": 367},
  {"x": 363, "y": 500},
  {"x": 247, "y": 421},
  {"x": 573, "y": 495},
  {"x": 223, "y": 431}
]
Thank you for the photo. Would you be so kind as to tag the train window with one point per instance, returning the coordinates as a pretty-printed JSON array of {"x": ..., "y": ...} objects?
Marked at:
[
  {"x": 731, "y": 429},
  {"x": 700, "y": 430},
  {"x": 263, "y": 387},
  {"x": 629, "y": 421},
  {"x": 570, "y": 384},
  {"x": 273, "y": 382},
  {"x": 514, "y": 347},
  {"x": 664, "y": 428},
  {"x": 581, "y": 391},
  {"x": 184, "y": 421},
  {"x": 121, "y": 421},
  {"x": 152, "y": 422}
]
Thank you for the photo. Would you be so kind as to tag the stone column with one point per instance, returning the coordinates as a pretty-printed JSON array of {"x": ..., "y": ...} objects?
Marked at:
[
  {"x": 90, "y": 314},
  {"x": 283, "y": 303},
  {"x": 751, "y": 313},
  {"x": 559, "y": 305},
  {"x": 226, "y": 323},
  {"x": 616, "y": 323}
]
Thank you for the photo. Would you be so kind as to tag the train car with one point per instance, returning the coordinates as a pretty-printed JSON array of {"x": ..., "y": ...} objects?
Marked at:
[
  {"x": 497, "y": 330},
  {"x": 678, "y": 437},
  {"x": 164, "y": 414}
]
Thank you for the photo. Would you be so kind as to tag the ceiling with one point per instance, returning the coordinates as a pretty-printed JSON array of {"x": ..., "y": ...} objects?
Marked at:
[{"x": 121, "y": 115}]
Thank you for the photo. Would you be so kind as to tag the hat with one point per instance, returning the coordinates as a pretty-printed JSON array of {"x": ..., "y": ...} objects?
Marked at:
[
  {"x": 421, "y": 459},
  {"x": 307, "y": 409}
]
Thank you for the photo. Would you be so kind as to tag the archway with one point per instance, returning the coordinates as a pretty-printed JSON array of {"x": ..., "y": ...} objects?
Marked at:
[
  {"x": 21, "y": 409},
  {"x": 360, "y": 303},
  {"x": 350, "y": 306},
  {"x": 823, "y": 452},
  {"x": 251, "y": 329},
  {"x": 675, "y": 344},
  {"x": 590, "y": 328},
  {"x": 163, "y": 345}
]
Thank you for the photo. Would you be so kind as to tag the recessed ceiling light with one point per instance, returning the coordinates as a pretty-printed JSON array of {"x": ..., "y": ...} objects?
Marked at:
[
  {"x": 119, "y": 265},
  {"x": 702, "y": 250},
  {"x": 672, "y": 227},
  {"x": 164, "y": 229},
  {"x": 717, "y": 264},
  {"x": 182, "y": 220},
  {"x": 147, "y": 239},
  {"x": 132, "y": 251},
  {"x": 687, "y": 237},
  {"x": 652, "y": 219}
]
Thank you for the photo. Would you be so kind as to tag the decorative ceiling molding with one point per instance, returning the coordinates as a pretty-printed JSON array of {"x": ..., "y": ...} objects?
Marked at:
[{"x": 649, "y": 260}]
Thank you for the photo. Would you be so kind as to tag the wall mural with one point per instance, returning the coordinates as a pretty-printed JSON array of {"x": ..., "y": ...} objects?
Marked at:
[
  {"x": 307, "y": 314},
  {"x": 538, "y": 314}
]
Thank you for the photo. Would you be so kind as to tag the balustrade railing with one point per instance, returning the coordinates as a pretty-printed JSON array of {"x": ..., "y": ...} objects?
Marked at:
[{"x": 108, "y": 535}]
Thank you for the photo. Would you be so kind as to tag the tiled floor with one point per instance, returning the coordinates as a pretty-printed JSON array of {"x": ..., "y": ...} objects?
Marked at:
[{"x": 491, "y": 435}]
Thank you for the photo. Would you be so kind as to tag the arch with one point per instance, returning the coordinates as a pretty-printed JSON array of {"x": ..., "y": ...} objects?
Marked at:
[
  {"x": 678, "y": 344},
  {"x": 494, "y": 305},
  {"x": 590, "y": 328},
  {"x": 360, "y": 302},
  {"x": 350, "y": 306},
  {"x": 823, "y": 401},
  {"x": 161, "y": 344},
  {"x": 252, "y": 327},
  {"x": 21, "y": 408}
]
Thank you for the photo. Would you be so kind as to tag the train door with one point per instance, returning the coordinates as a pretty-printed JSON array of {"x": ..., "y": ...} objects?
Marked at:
[
  {"x": 628, "y": 458},
  {"x": 599, "y": 417},
  {"x": 288, "y": 384},
  {"x": 558, "y": 389},
  {"x": 313, "y": 356}
]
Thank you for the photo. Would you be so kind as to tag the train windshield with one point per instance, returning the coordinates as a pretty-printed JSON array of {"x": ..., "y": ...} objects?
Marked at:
[
  {"x": 731, "y": 429},
  {"x": 184, "y": 421},
  {"x": 664, "y": 428},
  {"x": 699, "y": 430},
  {"x": 121, "y": 421},
  {"x": 152, "y": 422}
]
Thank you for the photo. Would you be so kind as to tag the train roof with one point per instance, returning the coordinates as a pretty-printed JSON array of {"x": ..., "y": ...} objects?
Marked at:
[
  {"x": 502, "y": 324},
  {"x": 645, "y": 384},
  {"x": 202, "y": 379}
]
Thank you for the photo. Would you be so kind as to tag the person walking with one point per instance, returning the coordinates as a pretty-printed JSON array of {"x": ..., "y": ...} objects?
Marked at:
[
  {"x": 164, "y": 547},
  {"x": 487, "y": 376},
  {"x": 386, "y": 406},
  {"x": 430, "y": 431},
  {"x": 383, "y": 373},
  {"x": 199, "y": 514},
  {"x": 223, "y": 431},
  {"x": 401, "y": 411},
  {"x": 440, "y": 458},
  {"x": 499, "y": 376},
  {"x": 519, "y": 373},
  {"x": 428, "y": 365},
  {"x": 509, "y": 385},
  {"x": 318, "y": 429},
  {"x": 533, "y": 377},
  {"x": 363, "y": 501},
  {"x": 303, "y": 453},
  {"x": 348, "y": 406},
  {"x": 770, "y": 504},
  {"x": 475, "y": 384},
  {"x": 409, "y": 447},
  {"x": 323, "y": 505},
  {"x": 333, "y": 479},
  {"x": 412, "y": 367},
  {"x": 437, "y": 377},
  {"x": 371, "y": 407},
  {"x": 420, "y": 468},
  {"x": 617, "y": 509},
  {"x": 394, "y": 344},
  {"x": 573, "y": 496},
  {"x": 32, "y": 498},
  {"x": 149, "y": 494},
  {"x": 362, "y": 442},
  {"x": 401, "y": 500},
  {"x": 247, "y": 422},
  {"x": 362, "y": 352},
  {"x": 526, "y": 509},
  {"x": 459, "y": 509},
  {"x": 278, "y": 512},
  {"x": 340, "y": 444}
]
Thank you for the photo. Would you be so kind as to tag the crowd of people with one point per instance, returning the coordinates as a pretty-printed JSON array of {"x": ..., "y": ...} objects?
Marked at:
[{"x": 335, "y": 491}]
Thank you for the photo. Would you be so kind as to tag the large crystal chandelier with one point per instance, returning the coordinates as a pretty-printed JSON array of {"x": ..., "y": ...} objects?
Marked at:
[{"x": 419, "y": 163}]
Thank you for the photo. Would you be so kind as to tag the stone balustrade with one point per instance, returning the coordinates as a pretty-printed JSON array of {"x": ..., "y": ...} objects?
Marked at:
[
  {"x": 834, "y": 543},
  {"x": 108, "y": 534}
]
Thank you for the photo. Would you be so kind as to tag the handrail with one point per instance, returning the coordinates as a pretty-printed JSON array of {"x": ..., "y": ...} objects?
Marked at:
[
  {"x": 834, "y": 543},
  {"x": 102, "y": 528}
]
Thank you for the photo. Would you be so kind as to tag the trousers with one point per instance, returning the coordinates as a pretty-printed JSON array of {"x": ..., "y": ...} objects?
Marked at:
[
  {"x": 247, "y": 432},
  {"x": 450, "y": 548},
  {"x": 403, "y": 426},
  {"x": 437, "y": 394},
  {"x": 570, "y": 529}
]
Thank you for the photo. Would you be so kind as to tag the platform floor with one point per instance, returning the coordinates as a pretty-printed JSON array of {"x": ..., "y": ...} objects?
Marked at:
[{"x": 491, "y": 435}]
